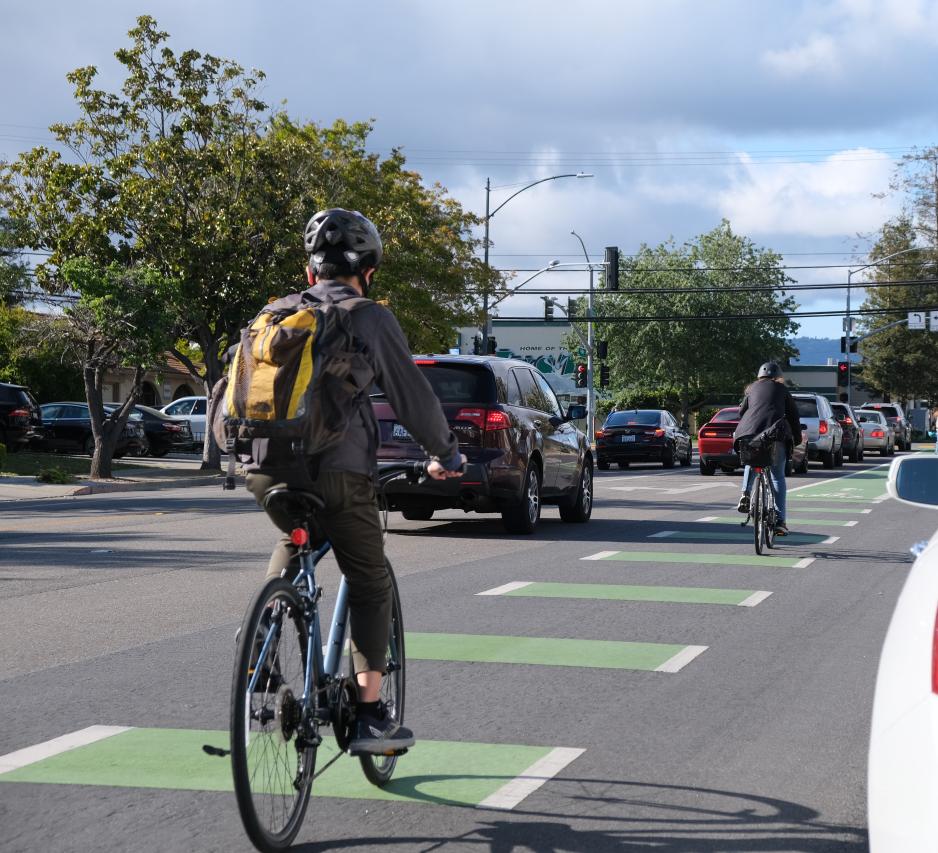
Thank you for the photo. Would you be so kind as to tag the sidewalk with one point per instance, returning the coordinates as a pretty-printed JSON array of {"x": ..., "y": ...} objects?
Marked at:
[{"x": 163, "y": 476}]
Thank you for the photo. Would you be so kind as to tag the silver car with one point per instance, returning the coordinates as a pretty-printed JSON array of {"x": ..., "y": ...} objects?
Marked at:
[
  {"x": 897, "y": 420},
  {"x": 878, "y": 433},
  {"x": 825, "y": 434}
]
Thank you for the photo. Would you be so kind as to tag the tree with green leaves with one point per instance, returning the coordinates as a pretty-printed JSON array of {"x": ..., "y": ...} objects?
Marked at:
[
  {"x": 900, "y": 361},
  {"x": 690, "y": 339},
  {"x": 185, "y": 170},
  {"x": 14, "y": 274}
]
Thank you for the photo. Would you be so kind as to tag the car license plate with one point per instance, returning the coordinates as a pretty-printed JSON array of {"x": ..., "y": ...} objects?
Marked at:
[
  {"x": 626, "y": 438},
  {"x": 398, "y": 432}
]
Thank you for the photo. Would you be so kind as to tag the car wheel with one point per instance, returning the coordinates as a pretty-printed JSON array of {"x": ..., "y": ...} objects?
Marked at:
[
  {"x": 522, "y": 515},
  {"x": 417, "y": 514},
  {"x": 580, "y": 507},
  {"x": 839, "y": 458},
  {"x": 159, "y": 453},
  {"x": 706, "y": 468},
  {"x": 860, "y": 454},
  {"x": 622, "y": 465},
  {"x": 884, "y": 451},
  {"x": 667, "y": 459},
  {"x": 89, "y": 446},
  {"x": 855, "y": 453},
  {"x": 685, "y": 462},
  {"x": 603, "y": 465},
  {"x": 827, "y": 458}
]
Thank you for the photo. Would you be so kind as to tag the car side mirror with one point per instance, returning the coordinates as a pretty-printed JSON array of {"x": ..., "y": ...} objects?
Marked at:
[
  {"x": 576, "y": 412},
  {"x": 914, "y": 480}
]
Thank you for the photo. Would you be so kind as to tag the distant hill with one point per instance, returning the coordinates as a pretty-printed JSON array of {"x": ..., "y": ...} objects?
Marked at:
[{"x": 816, "y": 350}]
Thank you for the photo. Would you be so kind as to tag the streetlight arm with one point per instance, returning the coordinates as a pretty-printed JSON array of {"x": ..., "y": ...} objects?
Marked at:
[
  {"x": 885, "y": 258},
  {"x": 541, "y": 181},
  {"x": 548, "y": 268}
]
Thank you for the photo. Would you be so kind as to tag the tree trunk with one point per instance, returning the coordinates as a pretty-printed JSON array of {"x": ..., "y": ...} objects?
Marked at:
[{"x": 105, "y": 428}]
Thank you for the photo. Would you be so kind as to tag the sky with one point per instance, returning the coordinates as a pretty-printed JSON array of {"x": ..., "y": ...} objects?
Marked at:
[{"x": 787, "y": 119}]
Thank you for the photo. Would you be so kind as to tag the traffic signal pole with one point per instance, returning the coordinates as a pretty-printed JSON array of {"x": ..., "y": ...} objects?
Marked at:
[{"x": 590, "y": 391}]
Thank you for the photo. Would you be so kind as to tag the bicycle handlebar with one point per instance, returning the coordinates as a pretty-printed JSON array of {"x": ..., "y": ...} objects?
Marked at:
[{"x": 415, "y": 472}]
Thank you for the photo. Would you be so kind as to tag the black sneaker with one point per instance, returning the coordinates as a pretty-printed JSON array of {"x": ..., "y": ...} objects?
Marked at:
[
  {"x": 379, "y": 735},
  {"x": 743, "y": 505},
  {"x": 781, "y": 529}
]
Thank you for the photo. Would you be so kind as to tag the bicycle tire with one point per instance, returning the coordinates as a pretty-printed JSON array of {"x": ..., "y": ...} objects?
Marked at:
[
  {"x": 758, "y": 517},
  {"x": 272, "y": 808},
  {"x": 771, "y": 515},
  {"x": 378, "y": 769}
]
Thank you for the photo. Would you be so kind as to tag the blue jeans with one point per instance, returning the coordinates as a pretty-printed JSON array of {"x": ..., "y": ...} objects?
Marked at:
[{"x": 776, "y": 475}]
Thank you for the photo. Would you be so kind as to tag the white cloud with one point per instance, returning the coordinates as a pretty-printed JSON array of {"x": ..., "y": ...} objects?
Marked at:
[{"x": 818, "y": 55}]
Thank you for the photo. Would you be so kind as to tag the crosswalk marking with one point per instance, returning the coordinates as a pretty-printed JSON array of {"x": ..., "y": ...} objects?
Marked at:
[
  {"x": 41, "y": 751},
  {"x": 506, "y": 588},
  {"x": 522, "y": 786},
  {"x": 622, "y": 592},
  {"x": 681, "y": 659},
  {"x": 602, "y": 555}
]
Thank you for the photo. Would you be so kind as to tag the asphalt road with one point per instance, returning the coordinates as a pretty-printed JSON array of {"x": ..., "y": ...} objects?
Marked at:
[{"x": 670, "y": 704}]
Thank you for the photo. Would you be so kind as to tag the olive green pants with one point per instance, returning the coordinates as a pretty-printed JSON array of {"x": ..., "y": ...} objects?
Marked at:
[{"x": 351, "y": 523}]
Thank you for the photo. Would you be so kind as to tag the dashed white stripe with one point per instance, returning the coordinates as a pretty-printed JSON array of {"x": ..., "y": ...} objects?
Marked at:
[
  {"x": 803, "y": 564},
  {"x": 831, "y": 540},
  {"x": 851, "y": 523},
  {"x": 866, "y": 511},
  {"x": 662, "y": 534},
  {"x": 65, "y": 743},
  {"x": 521, "y": 787},
  {"x": 506, "y": 588},
  {"x": 681, "y": 659},
  {"x": 600, "y": 556},
  {"x": 709, "y": 518},
  {"x": 755, "y": 598}
]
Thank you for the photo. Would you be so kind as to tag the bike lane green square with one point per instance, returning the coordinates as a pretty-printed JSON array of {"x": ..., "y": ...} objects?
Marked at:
[{"x": 435, "y": 772}]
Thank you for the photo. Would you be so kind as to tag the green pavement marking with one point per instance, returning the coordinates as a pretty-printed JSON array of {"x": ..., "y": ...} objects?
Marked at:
[
  {"x": 436, "y": 772},
  {"x": 616, "y": 592},
  {"x": 691, "y": 557},
  {"x": 742, "y": 536},
  {"x": 544, "y": 651},
  {"x": 863, "y": 486},
  {"x": 837, "y": 510},
  {"x": 795, "y": 520}
]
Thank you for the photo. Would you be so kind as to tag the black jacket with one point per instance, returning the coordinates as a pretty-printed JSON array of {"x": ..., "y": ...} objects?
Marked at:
[{"x": 766, "y": 403}]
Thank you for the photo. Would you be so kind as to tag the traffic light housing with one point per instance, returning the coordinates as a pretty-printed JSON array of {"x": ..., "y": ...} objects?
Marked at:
[
  {"x": 853, "y": 343},
  {"x": 548, "y": 309},
  {"x": 843, "y": 367},
  {"x": 602, "y": 350},
  {"x": 612, "y": 267},
  {"x": 477, "y": 345},
  {"x": 492, "y": 346},
  {"x": 579, "y": 375},
  {"x": 604, "y": 376}
]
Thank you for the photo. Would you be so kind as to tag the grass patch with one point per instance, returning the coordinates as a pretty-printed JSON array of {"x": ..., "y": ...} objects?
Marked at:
[{"x": 29, "y": 464}]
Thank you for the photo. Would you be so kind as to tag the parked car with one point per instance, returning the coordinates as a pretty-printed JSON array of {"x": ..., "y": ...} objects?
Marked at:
[
  {"x": 20, "y": 416},
  {"x": 642, "y": 435},
  {"x": 902, "y": 783},
  {"x": 853, "y": 445},
  {"x": 825, "y": 435},
  {"x": 878, "y": 433},
  {"x": 193, "y": 410},
  {"x": 523, "y": 450},
  {"x": 165, "y": 433},
  {"x": 897, "y": 420},
  {"x": 67, "y": 427},
  {"x": 715, "y": 445}
]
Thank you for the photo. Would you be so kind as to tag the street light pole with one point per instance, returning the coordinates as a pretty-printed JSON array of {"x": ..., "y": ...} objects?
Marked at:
[
  {"x": 590, "y": 392},
  {"x": 486, "y": 320}
]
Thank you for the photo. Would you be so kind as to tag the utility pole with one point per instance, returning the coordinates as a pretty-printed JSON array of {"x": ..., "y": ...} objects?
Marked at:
[{"x": 590, "y": 391}]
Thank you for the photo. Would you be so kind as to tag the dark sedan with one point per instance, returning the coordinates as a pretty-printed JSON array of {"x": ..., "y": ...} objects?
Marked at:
[
  {"x": 853, "y": 434},
  {"x": 67, "y": 427},
  {"x": 165, "y": 433},
  {"x": 642, "y": 435}
]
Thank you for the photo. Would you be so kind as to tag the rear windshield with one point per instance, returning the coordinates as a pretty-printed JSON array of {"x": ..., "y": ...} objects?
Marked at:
[
  {"x": 627, "y": 418},
  {"x": 725, "y": 415},
  {"x": 806, "y": 408},
  {"x": 887, "y": 411},
  {"x": 17, "y": 396},
  {"x": 460, "y": 383},
  {"x": 840, "y": 412}
]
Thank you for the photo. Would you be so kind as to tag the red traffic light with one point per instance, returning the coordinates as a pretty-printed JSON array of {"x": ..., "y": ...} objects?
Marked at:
[{"x": 842, "y": 366}]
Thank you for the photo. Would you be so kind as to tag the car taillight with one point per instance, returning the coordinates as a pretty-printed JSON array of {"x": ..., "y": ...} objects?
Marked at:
[
  {"x": 708, "y": 433},
  {"x": 424, "y": 361},
  {"x": 822, "y": 428},
  {"x": 172, "y": 427},
  {"x": 492, "y": 419},
  {"x": 19, "y": 413},
  {"x": 934, "y": 658},
  {"x": 877, "y": 433},
  {"x": 496, "y": 419},
  {"x": 659, "y": 433},
  {"x": 846, "y": 421},
  {"x": 600, "y": 433}
]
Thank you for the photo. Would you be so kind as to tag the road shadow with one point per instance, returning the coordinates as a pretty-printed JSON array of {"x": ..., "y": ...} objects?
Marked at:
[{"x": 613, "y": 816}]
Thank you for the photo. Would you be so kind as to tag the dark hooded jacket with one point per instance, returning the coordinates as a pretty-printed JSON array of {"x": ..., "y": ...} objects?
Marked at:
[{"x": 767, "y": 403}]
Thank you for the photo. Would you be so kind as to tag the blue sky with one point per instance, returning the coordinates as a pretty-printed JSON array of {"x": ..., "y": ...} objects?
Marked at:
[{"x": 785, "y": 118}]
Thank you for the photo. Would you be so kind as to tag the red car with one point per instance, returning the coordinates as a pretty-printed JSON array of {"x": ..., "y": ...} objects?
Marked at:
[{"x": 715, "y": 445}]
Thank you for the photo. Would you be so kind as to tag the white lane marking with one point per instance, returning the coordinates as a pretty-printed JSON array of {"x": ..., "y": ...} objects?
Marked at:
[
  {"x": 662, "y": 534},
  {"x": 600, "y": 556},
  {"x": 879, "y": 500},
  {"x": 65, "y": 743},
  {"x": 803, "y": 564},
  {"x": 754, "y": 599},
  {"x": 831, "y": 540},
  {"x": 851, "y": 523},
  {"x": 709, "y": 518},
  {"x": 866, "y": 511},
  {"x": 681, "y": 659},
  {"x": 669, "y": 491},
  {"x": 522, "y": 786},
  {"x": 505, "y": 588}
]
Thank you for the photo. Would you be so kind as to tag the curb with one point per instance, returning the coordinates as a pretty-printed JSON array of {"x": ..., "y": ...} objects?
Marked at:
[{"x": 143, "y": 486}]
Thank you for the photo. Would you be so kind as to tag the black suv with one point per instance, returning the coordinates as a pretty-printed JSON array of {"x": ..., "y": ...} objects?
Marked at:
[
  {"x": 522, "y": 449},
  {"x": 19, "y": 416}
]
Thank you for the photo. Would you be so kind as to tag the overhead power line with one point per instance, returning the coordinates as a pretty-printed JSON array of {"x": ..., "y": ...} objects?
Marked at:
[{"x": 680, "y": 318}]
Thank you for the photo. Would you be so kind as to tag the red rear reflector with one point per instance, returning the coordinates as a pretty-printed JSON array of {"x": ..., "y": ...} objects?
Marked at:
[
  {"x": 659, "y": 433},
  {"x": 822, "y": 428},
  {"x": 298, "y": 536},
  {"x": 424, "y": 361},
  {"x": 934, "y": 658},
  {"x": 496, "y": 419}
]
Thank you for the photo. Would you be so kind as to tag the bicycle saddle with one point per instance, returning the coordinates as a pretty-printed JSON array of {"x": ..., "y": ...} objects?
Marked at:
[{"x": 293, "y": 503}]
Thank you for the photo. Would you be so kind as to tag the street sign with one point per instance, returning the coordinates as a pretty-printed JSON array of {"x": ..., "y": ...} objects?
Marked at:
[
  {"x": 852, "y": 323},
  {"x": 916, "y": 319},
  {"x": 933, "y": 321}
]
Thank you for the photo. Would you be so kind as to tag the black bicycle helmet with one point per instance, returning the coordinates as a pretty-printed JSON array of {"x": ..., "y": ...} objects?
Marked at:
[
  {"x": 769, "y": 370},
  {"x": 347, "y": 232}
]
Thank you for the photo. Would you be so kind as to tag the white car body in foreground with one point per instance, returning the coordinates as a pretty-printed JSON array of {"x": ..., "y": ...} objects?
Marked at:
[
  {"x": 903, "y": 760},
  {"x": 193, "y": 410}
]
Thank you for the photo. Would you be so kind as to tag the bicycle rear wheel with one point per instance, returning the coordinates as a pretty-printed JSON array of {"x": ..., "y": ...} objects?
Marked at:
[
  {"x": 272, "y": 759},
  {"x": 771, "y": 516},
  {"x": 758, "y": 514},
  {"x": 378, "y": 769}
]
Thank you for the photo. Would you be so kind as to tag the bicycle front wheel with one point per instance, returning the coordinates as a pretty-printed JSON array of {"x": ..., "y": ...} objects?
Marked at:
[
  {"x": 272, "y": 733},
  {"x": 378, "y": 769},
  {"x": 758, "y": 514},
  {"x": 771, "y": 516}
]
